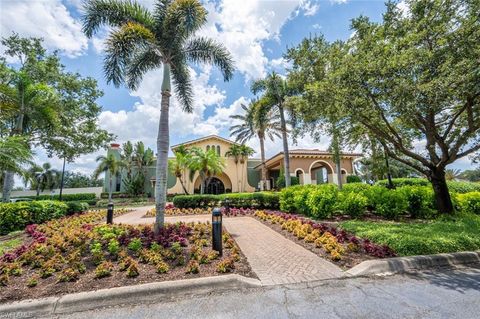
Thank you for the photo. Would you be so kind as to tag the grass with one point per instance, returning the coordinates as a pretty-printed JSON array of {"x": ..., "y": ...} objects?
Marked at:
[
  {"x": 444, "y": 235},
  {"x": 6, "y": 245}
]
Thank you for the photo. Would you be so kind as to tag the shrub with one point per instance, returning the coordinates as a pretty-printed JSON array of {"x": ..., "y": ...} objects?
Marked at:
[
  {"x": 420, "y": 200},
  {"x": 374, "y": 195},
  {"x": 65, "y": 197},
  {"x": 15, "y": 216},
  {"x": 75, "y": 207},
  {"x": 355, "y": 188},
  {"x": 353, "y": 179},
  {"x": 391, "y": 204},
  {"x": 300, "y": 198},
  {"x": 286, "y": 198},
  {"x": 398, "y": 182},
  {"x": 469, "y": 202},
  {"x": 321, "y": 200},
  {"x": 463, "y": 187},
  {"x": 280, "y": 182},
  {"x": 267, "y": 200},
  {"x": 353, "y": 204},
  {"x": 104, "y": 195}
]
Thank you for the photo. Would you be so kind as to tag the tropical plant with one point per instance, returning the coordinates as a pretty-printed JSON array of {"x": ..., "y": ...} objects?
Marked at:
[
  {"x": 179, "y": 166},
  {"x": 42, "y": 177},
  {"x": 46, "y": 105},
  {"x": 245, "y": 152},
  {"x": 275, "y": 90},
  {"x": 452, "y": 174},
  {"x": 141, "y": 41},
  {"x": 235, "y": 152},
  {"x": 14, "y": 154},
  {"x": 111, "y": 165},
  {"x": 207, "y": 164}
]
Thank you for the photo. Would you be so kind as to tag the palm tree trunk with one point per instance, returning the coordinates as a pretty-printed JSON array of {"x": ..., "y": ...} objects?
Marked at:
[
  {"x": 286, "y": 155},
  {"x": 8, "y": 182},
  {"x": 38, "y": 189},
  {"x": 264, "y": 166},
  {"x": 183, "y": 186},
  {"x": 163, "y": 143}
]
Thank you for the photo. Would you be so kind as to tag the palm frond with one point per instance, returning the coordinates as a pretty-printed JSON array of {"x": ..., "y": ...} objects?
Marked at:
[
  {"x": 182, "y": 84},
  {"x": 184, "y": 18},
  {"x": 142, "y": 61},
  {"x": 205, "y": 50},
  {"x": 113, "y": 13}
]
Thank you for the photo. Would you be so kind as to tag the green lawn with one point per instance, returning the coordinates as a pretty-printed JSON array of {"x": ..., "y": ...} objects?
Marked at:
[
  {"x": 445, "y": 235},
  {"x": 10, "y": 243}
]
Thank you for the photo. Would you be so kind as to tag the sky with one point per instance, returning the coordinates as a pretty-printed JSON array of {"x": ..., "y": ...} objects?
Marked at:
[{"x": 257, "y": 33}]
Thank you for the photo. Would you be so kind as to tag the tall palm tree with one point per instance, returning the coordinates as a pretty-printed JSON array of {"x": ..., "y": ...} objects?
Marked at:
[
  {"x": 178, "y": 167},
  {"x": 14, "y": 153},
  {"x": 109, "y": 164},
  {"x": 245, "y": 152},
  {"x": 207, "y": 164},
  {"x": 141, "y": 41},
  {"x": 259, "y": 120},
  {"x": 235, "y": 152},
  {"x": 42, "y": 177},
  {"x": 127, "y": 158},
  {"x": 275, "y": 89}
]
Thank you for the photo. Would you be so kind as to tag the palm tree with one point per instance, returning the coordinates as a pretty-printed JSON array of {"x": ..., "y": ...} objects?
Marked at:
[
  {"x": 111, "y": 165},
  {"x": 14, "y": 154},
  {"x": 452, "y": 174},
  {"x": 275, "y": 89},
  {"x": 127, "y": 158},
  {"x": 42, "y": 177},
  {"x": 141, "y": 41},
  {"x": 207, "y": 164},
  {"x": 260, "y": 120},
  {"x": 245, "y": 152},
  {"x": 235, "y": 152},
  {"x": 178, "y": 167}
]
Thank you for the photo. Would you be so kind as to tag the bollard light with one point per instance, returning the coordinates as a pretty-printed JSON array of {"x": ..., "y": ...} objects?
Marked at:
[
  {"x": 110, "y": 213},
  {"x": 217, "y": 230}
]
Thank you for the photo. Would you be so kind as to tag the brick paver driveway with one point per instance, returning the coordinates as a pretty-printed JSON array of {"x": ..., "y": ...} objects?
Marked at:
[{"x": 274, "y": 258}]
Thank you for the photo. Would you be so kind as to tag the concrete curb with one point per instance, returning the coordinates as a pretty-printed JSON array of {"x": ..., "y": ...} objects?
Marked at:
[
  {"x": 404, "y": 264},
  {"x": 89, "y": 300}
]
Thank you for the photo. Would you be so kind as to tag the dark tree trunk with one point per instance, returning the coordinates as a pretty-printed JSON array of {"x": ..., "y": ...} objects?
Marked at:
[{"x": 443, "y": 201}]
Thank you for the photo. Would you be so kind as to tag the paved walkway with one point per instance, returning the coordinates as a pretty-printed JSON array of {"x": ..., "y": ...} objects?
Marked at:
[{"x": 274, "y": 258}]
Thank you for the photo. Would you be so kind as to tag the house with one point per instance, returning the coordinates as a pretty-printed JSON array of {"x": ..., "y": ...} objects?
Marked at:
[{"x": 311, "y": 166}]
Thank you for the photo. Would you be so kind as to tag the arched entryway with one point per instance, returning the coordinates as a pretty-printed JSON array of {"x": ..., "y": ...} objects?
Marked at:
[
  {"x": 321, "y": 172},
  {"x": 215, "y": 186}
]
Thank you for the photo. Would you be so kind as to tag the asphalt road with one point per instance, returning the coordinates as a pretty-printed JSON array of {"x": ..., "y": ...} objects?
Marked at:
[{"x": 439, "y": 294}]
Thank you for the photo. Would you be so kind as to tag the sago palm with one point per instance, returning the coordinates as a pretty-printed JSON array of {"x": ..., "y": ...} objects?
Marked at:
[
  {"x": 259, "y": 120},
  {"x": 275, "y": 89},
  {"x": 109, "y": 164},
  {"x": 141, "y": 41}
]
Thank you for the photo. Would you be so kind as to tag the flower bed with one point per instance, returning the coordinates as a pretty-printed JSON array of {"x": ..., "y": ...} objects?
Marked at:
[
  {"x": 78, "y": 253},
  {"x": 326, "y": 240},
  {"x": 171, "y": 210}
]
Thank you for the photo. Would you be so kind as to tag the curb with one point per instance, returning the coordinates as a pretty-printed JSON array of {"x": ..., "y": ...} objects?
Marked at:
[
  {"x": 89, "y": 300},
  {"x": 404, "y": 264}
]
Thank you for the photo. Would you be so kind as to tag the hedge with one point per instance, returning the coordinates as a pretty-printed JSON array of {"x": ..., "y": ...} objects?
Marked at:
[
  {"x": 453, "y": 186},
  {"x": 15, "y": 216},
  {"x": 268, "y": 200},
  {"x": 65, "y": 197},
  {"x": 77, "y": 207},
  {"x": 469, "y": 202},
  {"x": 115, "y": 195}
]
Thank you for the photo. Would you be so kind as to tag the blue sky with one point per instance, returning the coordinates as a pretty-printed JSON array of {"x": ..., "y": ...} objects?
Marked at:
[{"x": 257, "y": 33}]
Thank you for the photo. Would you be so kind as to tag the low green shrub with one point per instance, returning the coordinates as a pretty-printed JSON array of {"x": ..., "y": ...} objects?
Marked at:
[
  {"x": 15, "y": 216},
  {"x": 300, "y": 198},
  {"x": 287, "y": 198},
  {"x": 352, "y": 204},
  {"x": 391, "y": 204},
  {"x": 420, "y": 200},
  {"x": 65, "y": 197},
  {"x": 463, "y": 187},
  {"x": 321, "y": 200},
  {"x": 399, "y": 182},
  {"x": 353, "y": 179},
  {"x": 469, "y": 202},
  {"x": 104, "y": 195},
  {"x": 355, "y": 188},
  {"x": 268, "y": 200},
  {"x": 77, "y": 207},
  {"x": 374, "y": 195}
]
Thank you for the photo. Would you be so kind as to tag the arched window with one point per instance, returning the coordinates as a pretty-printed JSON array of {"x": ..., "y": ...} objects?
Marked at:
[
  {"x": 218, "y": 150},
  {"x": 208, "y": 148}
]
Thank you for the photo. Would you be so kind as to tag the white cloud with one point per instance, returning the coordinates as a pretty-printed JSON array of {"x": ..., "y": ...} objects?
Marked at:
[
  {"x": 48, "y": 19},
  {"x": 309, "y": 8},
  {"x": 316, "y": 26}
]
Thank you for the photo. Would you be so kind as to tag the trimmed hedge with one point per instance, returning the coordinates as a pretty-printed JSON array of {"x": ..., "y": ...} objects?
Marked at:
[
  {"x": 65, "y": 197},
  {"x": 104, "y": 195},
  {"x": 463, "y": 187},
  {"x": 268, "y": 200},
  {"x": 353, "y": 179},
  {"x": 453, "y": 186},
  {"x": 15, "y": 216},
  {"x": 469, "y": 202}
]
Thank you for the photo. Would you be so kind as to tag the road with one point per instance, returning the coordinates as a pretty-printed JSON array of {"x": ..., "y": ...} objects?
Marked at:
[{"x": 439, "y": 294}]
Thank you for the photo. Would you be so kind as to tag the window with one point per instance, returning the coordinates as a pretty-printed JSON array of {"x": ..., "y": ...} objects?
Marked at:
[
  {"x": 208, "y": 148},
  {"x": 218, "y": 150}
]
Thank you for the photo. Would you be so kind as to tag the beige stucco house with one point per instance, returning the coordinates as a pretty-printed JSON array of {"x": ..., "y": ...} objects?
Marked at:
[{"x": 311, "y": 166}]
